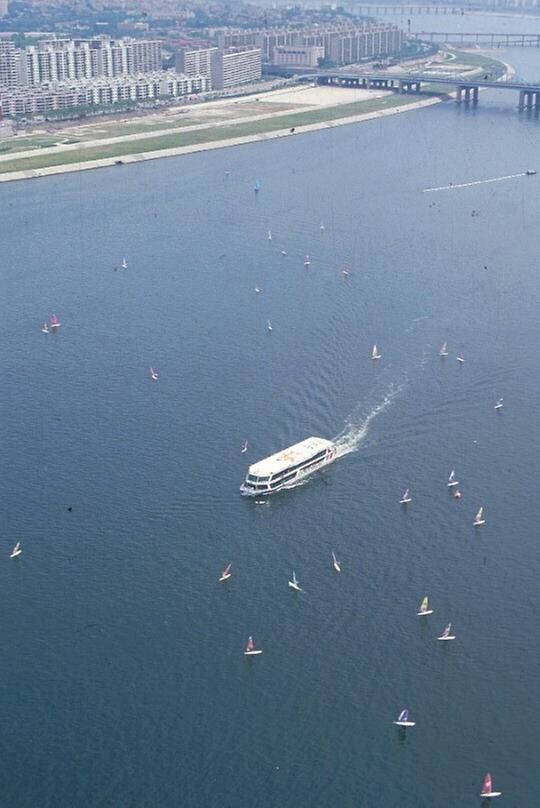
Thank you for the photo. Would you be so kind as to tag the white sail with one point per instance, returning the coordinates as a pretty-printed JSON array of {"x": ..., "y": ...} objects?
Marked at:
[
  {"x": 479, "y": 518},
  {"x": 375, "y": 353},
  {"x": 444, "y": 349}
]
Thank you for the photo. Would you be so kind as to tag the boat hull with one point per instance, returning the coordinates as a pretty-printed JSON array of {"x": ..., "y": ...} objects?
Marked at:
[
  {"x": 445, "y": 639},
  {"x": 404, "y": 723},
  {"x": 300, "y": 477},
  {"x": 252, "y": 653},
  {"x": 423, "y": 614},
  {"x": 491, "y": 794}
]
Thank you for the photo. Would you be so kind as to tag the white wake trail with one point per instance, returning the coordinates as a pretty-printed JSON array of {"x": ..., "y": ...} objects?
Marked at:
[
  {"x": 357, "y": 427},
  {"x": 476, "y": 182}
]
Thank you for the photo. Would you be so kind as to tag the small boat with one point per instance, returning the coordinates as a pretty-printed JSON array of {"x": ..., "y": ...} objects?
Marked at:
[
  {"x": 226, "y": 574},
  {"x": 307, "y": 262},
  {"x": 499, "y": 405},
  {"x": 403, "y": 720},
  {"x": 45, "y": 328},
  {"x": 424, "y": 608},
  {"x": 54, "y": 321},
  {"x": 154, "y": 374},
  {"x": 294, "y": 583},
  {"x": 269, "y": 325},
  {"x": 375, "y": 353},
  {"x": 321, "y": 227},
  {"x": 250, "y": 648},
  {"x": 406, "y": 498},
  {"x": 269, "y": 235},
  {"x": 257, "y": 186},
  {"x": 446, "y": 633},
  {"x": 452, "y": 479},
  {"x": 337, "y": 564},
  {"x": 479, "y": 518},
  {"x": 346, "y": 270},
  {"x": 16, "y": 550},
  {"x": 124, "y": 263},
  {"x": 457, "y": 494},
  {"x": 257, "y": 289},
  {"x": 487, "y": 785},
  {"x": 460, "y": 358},
  {"x": 530, "y": 173},
  {"x": 284, "y": 252},
  {"x": 443, "y": 349},
  {"x": 244, "y": 447}
]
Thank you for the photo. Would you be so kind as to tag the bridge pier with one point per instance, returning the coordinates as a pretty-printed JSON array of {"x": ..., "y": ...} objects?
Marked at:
[
  {"x": 463, "y": 91},
  {"x": 528, "y": 99}
]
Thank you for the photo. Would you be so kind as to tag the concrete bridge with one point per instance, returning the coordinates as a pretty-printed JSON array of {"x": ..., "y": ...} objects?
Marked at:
[
  {"x": 469, "y": 39},
  {"x": 382, "y": 9},
  {"x": 465, "y": 89}
]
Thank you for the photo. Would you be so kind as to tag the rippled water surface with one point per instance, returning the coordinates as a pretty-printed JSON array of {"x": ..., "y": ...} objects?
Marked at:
[{"x": 124, "y": 680}]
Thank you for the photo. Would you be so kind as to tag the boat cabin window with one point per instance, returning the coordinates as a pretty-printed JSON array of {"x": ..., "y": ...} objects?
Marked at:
[{"x": 303, "y": 463}]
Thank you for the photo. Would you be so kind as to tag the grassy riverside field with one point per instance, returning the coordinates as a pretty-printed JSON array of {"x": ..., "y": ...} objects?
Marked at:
[{"x": 204, "y": 124}]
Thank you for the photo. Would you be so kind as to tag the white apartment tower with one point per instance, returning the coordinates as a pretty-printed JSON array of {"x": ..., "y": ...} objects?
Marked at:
[
  {"x": 67, "y": 59},
  {"x": 9, "y": 73}
]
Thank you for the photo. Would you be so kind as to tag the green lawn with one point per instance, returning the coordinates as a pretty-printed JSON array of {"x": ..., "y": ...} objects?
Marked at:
[
  {"x": 208, "y": 134},
  {"x": 216, "y": 133}
]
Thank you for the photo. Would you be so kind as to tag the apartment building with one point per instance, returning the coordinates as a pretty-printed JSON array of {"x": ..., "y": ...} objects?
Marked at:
[
  {"x": 9, "y": 74},
  {"x": 195, "y": 62},
  {"x": 235, "y": 66},
  {"x": 67, "y": 59},
  {"x": 101, "y": 91}
]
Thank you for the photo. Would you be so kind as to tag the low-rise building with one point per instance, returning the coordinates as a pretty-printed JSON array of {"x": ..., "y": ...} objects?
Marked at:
[
  {"x": 297, "y": 55},
  {"x": 100, "y": 91}
]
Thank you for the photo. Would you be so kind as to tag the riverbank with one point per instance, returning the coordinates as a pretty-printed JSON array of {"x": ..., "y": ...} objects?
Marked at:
[
  {"x": 271, "y": 128},
  {"x": 220, "y": 124}
]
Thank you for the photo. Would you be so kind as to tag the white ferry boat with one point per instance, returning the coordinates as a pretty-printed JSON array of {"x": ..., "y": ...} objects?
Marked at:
[{"x": 285, "y": 469}]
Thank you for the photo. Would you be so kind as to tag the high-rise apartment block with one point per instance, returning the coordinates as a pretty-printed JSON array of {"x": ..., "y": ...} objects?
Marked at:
[
  {"x": 9, "y": 73},
  {"x": 68, "y": 59},
  {"x": 235, "y": 66},
  {"x": 343, "y": 44},
  {"x": 226, "y": 68},
  {"x": 195, "y": 62}
]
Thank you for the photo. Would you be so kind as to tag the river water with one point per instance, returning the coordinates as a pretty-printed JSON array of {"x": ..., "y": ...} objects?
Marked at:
[{"x": 124, "y": 680}]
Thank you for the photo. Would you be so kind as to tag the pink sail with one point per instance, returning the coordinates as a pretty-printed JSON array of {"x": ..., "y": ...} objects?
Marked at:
[
  {"x": 250, "y": 644},
  {"x": 487, "y": 787}
]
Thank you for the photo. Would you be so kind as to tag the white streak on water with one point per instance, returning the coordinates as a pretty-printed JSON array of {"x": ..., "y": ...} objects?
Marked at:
[
  {"x": 357, "y": 427},
  {"x": 476, "y": 182}
]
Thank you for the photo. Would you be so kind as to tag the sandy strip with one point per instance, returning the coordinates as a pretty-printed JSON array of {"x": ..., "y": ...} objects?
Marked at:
[{"x": 107, "y": 162}]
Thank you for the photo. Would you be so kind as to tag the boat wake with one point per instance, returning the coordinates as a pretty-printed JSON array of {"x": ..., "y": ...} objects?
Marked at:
[
  {"x": 454, "y": 186},
  {"x": 358, "y": 424}
]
